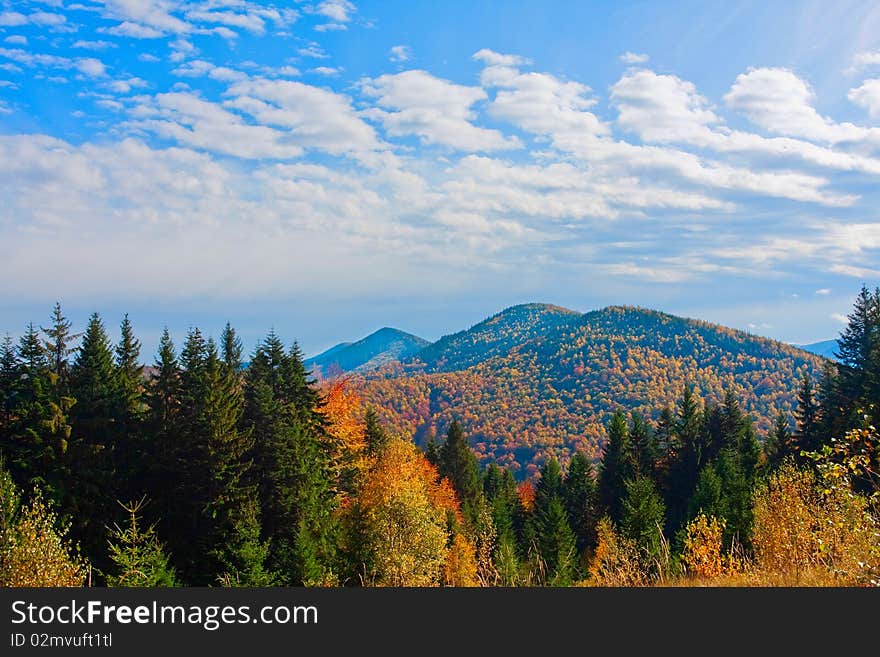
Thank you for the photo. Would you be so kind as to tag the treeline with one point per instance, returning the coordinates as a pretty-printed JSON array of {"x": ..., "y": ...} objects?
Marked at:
[{"x": 208, "y": 473}]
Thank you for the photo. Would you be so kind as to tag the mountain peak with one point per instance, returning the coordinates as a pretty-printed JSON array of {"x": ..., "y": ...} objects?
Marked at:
[{"x": 371, "y": 352}]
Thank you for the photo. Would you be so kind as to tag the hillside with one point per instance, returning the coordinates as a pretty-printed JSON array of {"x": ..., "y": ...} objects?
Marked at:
[
  {"x": 374, "y": 351},
  {"x": 825, "y": 348},
  {"x": 535, "y": 380}
]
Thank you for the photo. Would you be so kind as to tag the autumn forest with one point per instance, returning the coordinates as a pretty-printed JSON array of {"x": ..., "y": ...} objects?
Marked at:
[{"x": 542, "y": 447}]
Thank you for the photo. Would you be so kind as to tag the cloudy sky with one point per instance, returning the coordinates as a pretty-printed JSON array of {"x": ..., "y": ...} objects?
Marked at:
[{"x": 327, "y": 168}]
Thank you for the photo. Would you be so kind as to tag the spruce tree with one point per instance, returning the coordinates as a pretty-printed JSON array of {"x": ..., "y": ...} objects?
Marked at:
[
  {"x": 375, "y": 436},
  {"x": 92, "y": 450},
  {"x": 644, "y": 445},
  {"x": 617, "y": 466},
  {"x": 460, "y": 466},
  {"x": 58, "y": 344},
  {"x": 643, "y": 517},
  {"x": 291, "y": 466},
  {"x": 807, "y": 412},
  {"x": 137, "y": 555},
  {"x": 231, "y": 348},
  {"x": 554, "y": 537},
  {"x": 581, "y": 501},
  {"x": 778, "y": 444},
  {"x": 686, "y": 461}
]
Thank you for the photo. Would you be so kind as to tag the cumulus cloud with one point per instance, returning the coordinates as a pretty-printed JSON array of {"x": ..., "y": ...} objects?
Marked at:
[
  {"x": 779, "y": 101},
  {"x": 438, "y": 111},
  {"x": 867, "y": 95}
]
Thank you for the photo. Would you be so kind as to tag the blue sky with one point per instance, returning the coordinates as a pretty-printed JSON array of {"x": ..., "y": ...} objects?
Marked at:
[{"x": 327, "y": 168}]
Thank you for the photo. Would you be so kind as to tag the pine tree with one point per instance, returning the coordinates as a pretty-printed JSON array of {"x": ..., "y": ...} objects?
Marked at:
[
  {"x": 129, "y": 372},
  {"x": 137, "y": 555},
  {"x": 459, "y": 465},
  {"x": 617, "y": 466},
  {"x": 375, "y": 435},
  {"x": 644, "y": 445},
  {"x": 778, "y": 444},
  {"x": 856, "y": 344},
  {"x": 644, "y": 516},
  {"x": 57, "y": 344},
  {"x": 231, "y": 348},
  {"x": 291, "y": 466},
  {"x": 807, "y": 417},
  {"x": 581, "y": 501},
  {"x": 686, "y": 460},
  {"x": 92, "y": 450},
  {"x": 555, "y": 540},
  {"x": 10, "y": 383}
]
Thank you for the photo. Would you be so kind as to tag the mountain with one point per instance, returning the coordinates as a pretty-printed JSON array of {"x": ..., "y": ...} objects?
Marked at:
[
  {"x": 539, "y": 380},
  {"x": 377, "y": 349},
  {"x": 825, "y": 348}
]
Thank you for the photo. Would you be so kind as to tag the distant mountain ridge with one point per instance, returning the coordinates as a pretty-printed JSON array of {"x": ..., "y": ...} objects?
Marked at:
[
  {"x": 535, "y": 379},
  {"x": 372, "y": 352},
  {"x": 826, "y": 348}
]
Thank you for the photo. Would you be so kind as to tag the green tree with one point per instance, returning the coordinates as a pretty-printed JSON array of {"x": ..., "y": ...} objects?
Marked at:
[
  {"x": 807, "y": 415},
  {"x": 644, "y": 518},
  {"x": 459, "y": 465},
  {"x": 554, "y": 537},
  {"x": 375, "y": 435},
  {"x": 581, "y": 501},
  {"x": 137, "y": 555},
  {"x": 778, "y": 444},
  {"x": 617, "y": 466}
]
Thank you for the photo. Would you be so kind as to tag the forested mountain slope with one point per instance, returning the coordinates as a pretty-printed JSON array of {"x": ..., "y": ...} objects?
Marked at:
[{"x": 537, "y": 380}]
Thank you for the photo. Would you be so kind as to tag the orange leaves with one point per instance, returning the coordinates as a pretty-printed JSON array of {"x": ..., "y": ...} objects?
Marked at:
[
  {"x": 702, "y": 547},
  {"x": 344, "y": 410},
  {"x": 526, "y": 492}
]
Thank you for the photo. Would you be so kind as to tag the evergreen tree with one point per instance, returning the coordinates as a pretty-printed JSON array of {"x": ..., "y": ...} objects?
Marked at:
[
  {"x": 129, "y": 372},
  {"x": 857, "y": 343},
  {"x": 231, "y": 348},
  {"x": 459, "y": 465},
  {"x": 778, "y": 444},
  {"x": 581, "y": 501},
  {"x": 807, "y": 417},
  {"x": 375, "y": 436},
  {"x": 644, "y": 445},
  {"x": 707, "y": 497},
  {"x": 291, "y": 467},
  {"x": 617, "y": 466},
  {"x": 91, "y": 452},
  {"x": 10, "y": 383},
  {"x": 687, "y": 459},
  {"x": 555, "y": 540},
  {"x": 644, "y": 516},
  {"x": 137, "y": 555},
  {"x": 57, "y": 344}
]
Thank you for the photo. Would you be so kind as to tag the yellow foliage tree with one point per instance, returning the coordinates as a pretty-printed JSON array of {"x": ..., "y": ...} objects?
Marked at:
[
  {"x": 461, "y": 563},
  {"x": 616, "y": 559},
  {"x": 407, "y": 509},
  {"x": 33, "y": 551},
  {"x": 702, "y": 547}
]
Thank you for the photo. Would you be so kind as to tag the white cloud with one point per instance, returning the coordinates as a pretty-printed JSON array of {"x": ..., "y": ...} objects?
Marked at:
[
  {"x": 314, "y": 118},
  {"x": 400, "y": 54},
  {"x": 863, "y": 60},
  {"x": 337, "y": 10},
  {"x": 868, "y": 96},
  {"x": 633, "y": 58},
  {"x": 331, "y": 27},
  {"x": 195, "y": 122},
  {"x": 855, "y": 271},
  {"x": 839, "y": 317},
  {"x": 145, "y": 19},
  {"x": 823, "y": 291},
  {"x": 16, "y": 39},
  {"x": 328, "y": 71},
  {"x": 181, "y": 49},
  {"x": 93, "y": 45},
  {"x": 313, "y": 50},
  {"x": 779, "y": 101},
  {"x": 125, "y": 86},
  {"x": 148, "y": 57},
  {"x": 438, "y": 111},
  {"x": 13, "y": 19},
  {"x": 661, "y": 108},
  {"x": 197, "y": 68},
  {"x": 492, "y": 58},
  {"x": 134, "y": 31},
  {"x": 91, "y": 67},
  {"x": 667, "y": 109}
]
